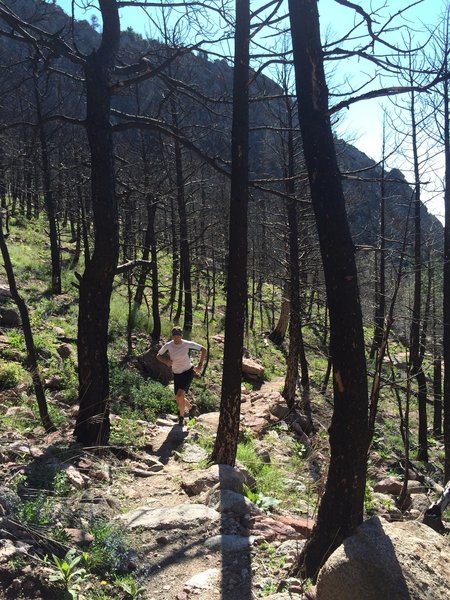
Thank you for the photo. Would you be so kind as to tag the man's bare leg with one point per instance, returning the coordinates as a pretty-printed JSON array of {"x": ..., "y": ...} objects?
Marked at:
[{"x": 182, "y": 402}]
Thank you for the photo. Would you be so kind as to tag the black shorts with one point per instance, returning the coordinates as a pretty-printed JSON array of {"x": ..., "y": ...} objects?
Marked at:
[{"x": 182, "y": 381}]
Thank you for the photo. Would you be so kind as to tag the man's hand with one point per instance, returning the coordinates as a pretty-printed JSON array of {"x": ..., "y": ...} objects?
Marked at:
[{"x": 198, "y": 371}]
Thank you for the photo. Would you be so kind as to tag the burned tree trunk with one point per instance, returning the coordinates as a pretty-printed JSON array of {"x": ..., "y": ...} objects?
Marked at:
[
  {"x": 32, "y": 363},
  {"x": 92, "y": 425},
  {"x": 225, "y": 447},
  {"x": 342, "y": 505}
]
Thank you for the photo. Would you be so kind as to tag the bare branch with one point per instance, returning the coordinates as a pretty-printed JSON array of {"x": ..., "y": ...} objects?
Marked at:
[{"x": 131, "y": 264}]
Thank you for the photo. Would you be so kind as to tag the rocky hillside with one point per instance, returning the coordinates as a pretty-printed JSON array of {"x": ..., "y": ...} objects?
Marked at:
[
  {"x": 154, "y": 521},
  {"x": 362, "y": 184}
]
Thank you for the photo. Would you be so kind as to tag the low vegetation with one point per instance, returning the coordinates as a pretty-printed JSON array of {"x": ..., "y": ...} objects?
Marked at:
[{"x": 43, "y": 501}]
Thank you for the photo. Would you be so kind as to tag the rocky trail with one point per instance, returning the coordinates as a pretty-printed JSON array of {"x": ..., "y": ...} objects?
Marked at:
[
  {"x": 194, "y": 533},
  {"x": 201, "y": 537}
]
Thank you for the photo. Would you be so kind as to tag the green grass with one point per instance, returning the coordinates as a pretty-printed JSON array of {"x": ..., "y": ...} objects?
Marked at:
[
  {"x": 11, "y": 374},
  {"x": 106, "y": 552},
  {"x": 133, "y": 395},
  {"x": 272, "y": 478},
  {"x": 127, "y": 432}
]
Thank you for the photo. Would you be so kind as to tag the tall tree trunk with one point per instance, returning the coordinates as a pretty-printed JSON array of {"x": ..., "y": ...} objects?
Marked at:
[
  {"x": 296, "y": 346},
  {"x": 149, "y": 245},
  {"x": 437, "y": 393},
  {"x": 92, "y": 425},
  {"x": 185, "y": 254},
  {"x": 415, "y": 353},
  {"x": 175, "y": 262},
  {"x": 225, "y": 446},
  {"x": 150, "y": 251},
  {"x": 383, "y": 350},
  {"x": 342, "y": 505},
  {"x": 77, "y": 238},
  {"x": 32, "y": 363},
  {"x": 84, "y": 227},
  {"x": 446, "y": 285},
  {"x": 3, "y": 203},
  {"x": 48, "y": 193},
  {"x": 278, "y": 334},
  {"x": 380, "y": 270}
]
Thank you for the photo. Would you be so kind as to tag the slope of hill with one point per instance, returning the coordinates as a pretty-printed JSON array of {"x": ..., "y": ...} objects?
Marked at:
[{"x": 201, "y": 92}]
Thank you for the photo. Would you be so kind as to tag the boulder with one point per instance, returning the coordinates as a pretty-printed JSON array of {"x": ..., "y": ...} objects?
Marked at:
[
  {"x": 4, "y": 341},
  {"x": 5, "y": 292},
  {"x": 229, "y": 501},
  {"x": 55, "y": 382},
  {"x": 402, "y": 560},
  {"x": 183, "y": 516},
  {"x": 389, "y": 485},
  {"x": 303, "y": 526},
  {"x": 10, "y": 318},
  {"x": 252, "y": 369},
  {"x": 151, "y": 366},
  {"x": 206, "y": 580},
  {"x": 221, "y": 477},
  {"x": 270, "y": 529},
  {"x": 79, "y": 537},
  {"x": 20, "y": 412},
  {"x": 9, "y": 500},
  {"x": 229, "y": 543},
  {"x": 76, "y": 479},
  {"x": 420, "y": 503},
  {"x": 65, "y": 350},
  {"x": 209, "y": 421},
  {"x": 193, "y": 453}
]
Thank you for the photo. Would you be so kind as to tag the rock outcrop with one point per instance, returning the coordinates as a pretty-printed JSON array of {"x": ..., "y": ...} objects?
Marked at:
[{"x": 401, "y": 561}]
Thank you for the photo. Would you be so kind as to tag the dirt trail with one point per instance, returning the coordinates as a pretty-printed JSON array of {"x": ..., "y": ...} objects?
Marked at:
[{"x": 192, "y": 562}]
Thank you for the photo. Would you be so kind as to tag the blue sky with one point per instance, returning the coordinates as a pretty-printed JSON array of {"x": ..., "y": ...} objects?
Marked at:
[{"x": 361, "y": 123}]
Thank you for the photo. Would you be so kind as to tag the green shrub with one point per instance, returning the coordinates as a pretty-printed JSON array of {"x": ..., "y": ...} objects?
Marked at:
[
  {"x": 61, "y": 484},
  {"x": 11, "y": 374},
  {"x": 70, "y": 382},
  {"x": 203, "y": 398},
  {"x": 247, "y": 456},
  {"x": 131, "y": 393},
  {"x": 16, "y": 340},
  {"x": 108, "y": 548},
  {"x": 35, "y": 512},
  {"x": 127, "y": 432},
  {"x": 58, "y": 418}
]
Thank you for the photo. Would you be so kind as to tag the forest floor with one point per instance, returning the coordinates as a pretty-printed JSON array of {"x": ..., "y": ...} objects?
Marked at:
[
  {"x": 189, "y": 535},
  {"x": 178, "y": 545}
]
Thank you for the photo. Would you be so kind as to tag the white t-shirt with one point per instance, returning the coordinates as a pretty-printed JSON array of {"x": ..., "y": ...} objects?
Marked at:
[{"x": 179, "y": 354}]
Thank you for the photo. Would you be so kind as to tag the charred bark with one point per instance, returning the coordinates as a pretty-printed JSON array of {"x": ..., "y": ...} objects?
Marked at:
[
  {"x": 342, "y": 505},
  {"x": 92, "y": 425},
  {"x": 32, "y": 362},
  {"x": 225, "y": 447}
]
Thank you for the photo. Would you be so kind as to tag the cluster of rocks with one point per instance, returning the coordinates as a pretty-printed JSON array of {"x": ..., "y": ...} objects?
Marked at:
[
  {"x": 213, "y": 525},
  {"x": 197, "y": 534}
]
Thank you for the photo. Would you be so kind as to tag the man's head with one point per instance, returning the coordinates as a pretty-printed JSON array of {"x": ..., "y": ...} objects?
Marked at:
[{"x": 177, "y": 332}]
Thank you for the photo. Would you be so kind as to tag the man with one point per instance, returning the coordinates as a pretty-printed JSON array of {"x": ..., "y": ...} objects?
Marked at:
[{"x": 183, "y": 371}]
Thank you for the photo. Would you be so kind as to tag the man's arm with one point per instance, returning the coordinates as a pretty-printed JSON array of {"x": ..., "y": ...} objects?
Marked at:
[
  {"x": 165, "y": 361},
  {"x": 203, "y": 354}
]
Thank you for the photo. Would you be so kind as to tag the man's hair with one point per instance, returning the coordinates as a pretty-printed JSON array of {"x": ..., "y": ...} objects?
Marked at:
[{"x": 177, "y": 331}]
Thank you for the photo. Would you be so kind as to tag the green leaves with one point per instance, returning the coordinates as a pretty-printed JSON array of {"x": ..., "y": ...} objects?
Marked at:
[
  {"x": 129, "y": 586},
  {"x": 265, "y": 503},
  {"x": 67, "y": 572}
]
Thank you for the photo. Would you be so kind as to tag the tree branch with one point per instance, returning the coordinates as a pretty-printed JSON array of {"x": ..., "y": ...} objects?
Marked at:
[{"x": 131, "y": 264}]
